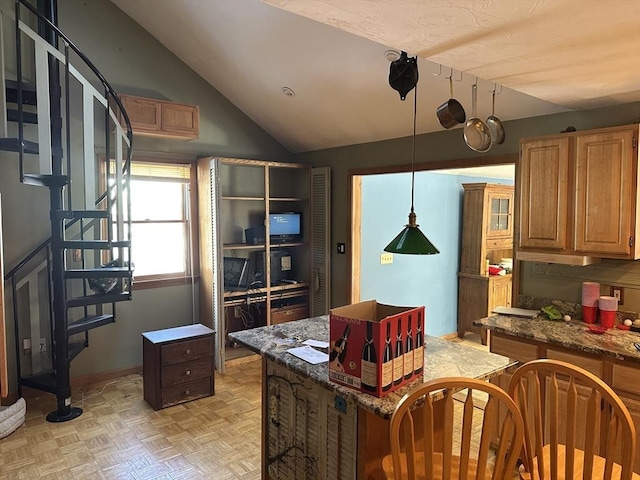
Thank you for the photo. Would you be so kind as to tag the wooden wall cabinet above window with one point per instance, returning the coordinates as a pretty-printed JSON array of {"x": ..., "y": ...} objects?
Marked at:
[
  {"x": 578, "y": 196},
  {"x": 160, "y": 118}
]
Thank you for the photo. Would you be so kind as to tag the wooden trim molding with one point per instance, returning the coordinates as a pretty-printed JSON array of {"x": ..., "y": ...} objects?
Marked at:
[{"x": 93, "y": 378}]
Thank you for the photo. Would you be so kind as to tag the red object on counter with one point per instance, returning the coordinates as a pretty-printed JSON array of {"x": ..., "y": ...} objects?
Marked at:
[
  {"x": 589, "y": 314},
  {"x": 607, "y": 318},
  {"x": 596, "y": 329}
]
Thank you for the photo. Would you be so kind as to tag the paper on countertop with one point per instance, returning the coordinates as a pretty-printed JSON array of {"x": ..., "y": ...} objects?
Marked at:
[
  {"x": 316, "y": 343},
  {"x": 309, "y": 354},
  {"x": 516, "y": 312},
  {"x": 284, "y": 341}
]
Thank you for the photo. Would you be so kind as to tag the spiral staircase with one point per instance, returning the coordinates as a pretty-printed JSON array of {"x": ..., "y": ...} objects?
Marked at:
[{"x": 70, "y": 133}]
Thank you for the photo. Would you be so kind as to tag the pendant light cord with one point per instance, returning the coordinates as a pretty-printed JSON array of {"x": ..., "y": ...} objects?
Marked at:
[{"x": 413, "y": 148}]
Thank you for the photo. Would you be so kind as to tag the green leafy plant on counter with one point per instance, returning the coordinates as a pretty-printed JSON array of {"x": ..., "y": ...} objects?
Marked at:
[{"x": 552, "y": 312}]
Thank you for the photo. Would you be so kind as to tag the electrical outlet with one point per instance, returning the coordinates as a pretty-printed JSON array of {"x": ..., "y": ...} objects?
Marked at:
[
  {"x": 26, "y": 346},
  {"x": 43, "y": 344},
  {"x": 618, "y": 292},
  {"x": 386, "y": 258}
]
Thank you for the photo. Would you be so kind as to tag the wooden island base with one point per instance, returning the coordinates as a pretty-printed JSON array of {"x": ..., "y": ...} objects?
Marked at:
[{"x": 315, "y": 429}]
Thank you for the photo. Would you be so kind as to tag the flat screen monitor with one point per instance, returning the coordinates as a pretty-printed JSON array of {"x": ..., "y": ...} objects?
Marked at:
[
  {"x": 236, "y": 273},
  {"x": 285, "y": 226}
]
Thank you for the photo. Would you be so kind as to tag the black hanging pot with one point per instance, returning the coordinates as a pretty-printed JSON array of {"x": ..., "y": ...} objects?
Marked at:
[
  {"x": 403, "y": 74},
  {"x": 451, "y": 112}
]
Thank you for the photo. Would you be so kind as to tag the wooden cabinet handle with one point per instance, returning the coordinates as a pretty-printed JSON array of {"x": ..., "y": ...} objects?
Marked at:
[{"x": 187, "y": 372}]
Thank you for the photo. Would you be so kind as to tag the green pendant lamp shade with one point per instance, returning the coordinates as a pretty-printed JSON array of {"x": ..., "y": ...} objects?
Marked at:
[{"x": 410, "y": 241}]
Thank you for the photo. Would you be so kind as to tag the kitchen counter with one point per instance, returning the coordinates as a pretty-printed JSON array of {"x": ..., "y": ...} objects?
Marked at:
[
  {"x": 442, "y": 359},
  {"x": 574, "y": 335},
  {"x": 314, "y": 428}
]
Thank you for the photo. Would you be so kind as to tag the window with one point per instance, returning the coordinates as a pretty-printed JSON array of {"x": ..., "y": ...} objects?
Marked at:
[{"x": 162, "y": 234}]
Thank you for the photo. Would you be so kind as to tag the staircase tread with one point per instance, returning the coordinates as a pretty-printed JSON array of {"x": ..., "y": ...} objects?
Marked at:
[
  {"x": 28, "y": 117},
  {"x": 75, "y": 348},
  {"x": 28, "y": 92},
  {"x": 106, "y": 272},
  {"x": 91, "y": 318},
  {"x": 99, "y": 270},
  {"x": 95, "y": 244},
  {"x": 26, "y": 86},
  {"x": 88, "y": 323},
  {"x": 13, "y": 145},
  {"x": 98, "y": 299},
  {"x": 69, "y": 214},
  {"x": 45, "y": 380},
  {"x": 45, "y": 180}
]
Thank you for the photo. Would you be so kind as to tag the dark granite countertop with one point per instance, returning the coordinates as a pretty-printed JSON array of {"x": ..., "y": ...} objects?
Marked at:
[
  {"x": 575, "y": 335},
  {"x": 442, "y": 359}
]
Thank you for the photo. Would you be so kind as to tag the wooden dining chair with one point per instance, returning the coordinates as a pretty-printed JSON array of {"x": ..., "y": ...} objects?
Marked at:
[
  {"x": 435, "y": 438},
  {"x": 576, "y": 427}
]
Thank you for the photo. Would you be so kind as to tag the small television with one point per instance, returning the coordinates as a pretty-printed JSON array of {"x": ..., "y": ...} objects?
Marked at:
[{"x": 285, "y": 227}]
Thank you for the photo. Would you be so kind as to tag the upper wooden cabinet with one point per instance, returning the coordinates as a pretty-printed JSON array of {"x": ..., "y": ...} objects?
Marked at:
[
  {"x": 544, "y": 193},
  {"x": 578, "y": 196},
  {"x": 160, "y": 118}
]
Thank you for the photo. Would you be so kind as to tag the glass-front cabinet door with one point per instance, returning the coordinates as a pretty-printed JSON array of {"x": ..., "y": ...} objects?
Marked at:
[{"x": 500, "y": 213}]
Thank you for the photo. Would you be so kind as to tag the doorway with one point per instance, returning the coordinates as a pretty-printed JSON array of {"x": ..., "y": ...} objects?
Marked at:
[{"x": 377, "y": 217}]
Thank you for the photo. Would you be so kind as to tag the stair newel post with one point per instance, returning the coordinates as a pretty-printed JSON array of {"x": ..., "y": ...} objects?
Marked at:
[
  {"x": 61, "y": 347},
  {"x": 56, "y": 197}
]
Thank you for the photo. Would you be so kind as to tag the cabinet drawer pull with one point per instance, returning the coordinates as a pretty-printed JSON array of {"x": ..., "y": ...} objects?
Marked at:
[
  {"x": 186, "y": 392},
  {"x": 187, "y": 372},
  {"x": 188, "y": 351}
]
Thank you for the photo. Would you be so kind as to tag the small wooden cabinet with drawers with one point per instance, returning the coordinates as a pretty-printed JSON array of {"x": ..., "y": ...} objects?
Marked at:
[{"x": 177, "y": 365}]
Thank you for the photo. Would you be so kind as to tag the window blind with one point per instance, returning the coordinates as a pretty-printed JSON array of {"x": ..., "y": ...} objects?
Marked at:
[{"x": 180, "y": 172}]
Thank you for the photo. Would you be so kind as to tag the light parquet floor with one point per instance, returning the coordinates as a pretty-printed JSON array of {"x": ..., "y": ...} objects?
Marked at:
[{"x": 119, "y": 436}]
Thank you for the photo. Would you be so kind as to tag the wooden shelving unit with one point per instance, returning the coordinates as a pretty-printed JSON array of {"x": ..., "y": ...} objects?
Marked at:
[{"x": 236, "y": 195}]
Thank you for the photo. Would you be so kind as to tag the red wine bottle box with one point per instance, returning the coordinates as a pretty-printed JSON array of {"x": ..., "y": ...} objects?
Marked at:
[{"x": 376, "y": 348}]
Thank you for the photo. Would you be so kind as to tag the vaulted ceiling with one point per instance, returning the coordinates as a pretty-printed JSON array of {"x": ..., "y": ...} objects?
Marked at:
[{"x": 543, "y": 56}]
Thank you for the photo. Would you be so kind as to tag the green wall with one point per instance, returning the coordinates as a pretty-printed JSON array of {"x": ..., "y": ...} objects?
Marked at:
[
  {"x": 434, "y": 147},
  {"x": 135, "y": 63}
]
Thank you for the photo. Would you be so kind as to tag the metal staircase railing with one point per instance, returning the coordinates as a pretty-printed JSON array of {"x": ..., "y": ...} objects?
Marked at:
[{"x": 57, "y": 108}]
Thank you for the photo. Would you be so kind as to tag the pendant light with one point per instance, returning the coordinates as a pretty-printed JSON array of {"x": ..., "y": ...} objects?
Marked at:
[{"x": 403, "y": 76}]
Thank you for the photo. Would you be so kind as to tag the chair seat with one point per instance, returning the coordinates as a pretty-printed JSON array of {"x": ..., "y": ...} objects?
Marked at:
[
  {"x": 598, "y": 466},
  {"x": 387, "y": 466}
]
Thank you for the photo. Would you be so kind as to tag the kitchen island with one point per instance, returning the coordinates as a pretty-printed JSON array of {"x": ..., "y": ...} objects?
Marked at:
[
  {"x": 610, "y": 356},
  {"x": 313, "y": 428}
]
